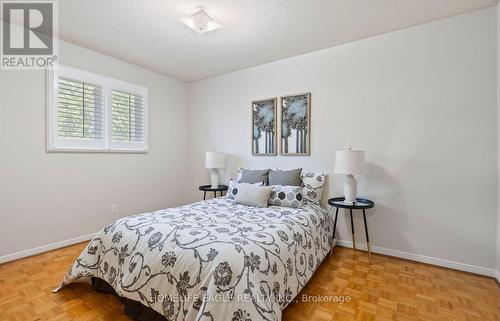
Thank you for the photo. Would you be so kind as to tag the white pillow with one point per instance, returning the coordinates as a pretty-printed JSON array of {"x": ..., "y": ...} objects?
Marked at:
[
  {"x": 233, "y": 188},
  {"x": 253, "y": 195},
  {"x": 312, "y": 186}
]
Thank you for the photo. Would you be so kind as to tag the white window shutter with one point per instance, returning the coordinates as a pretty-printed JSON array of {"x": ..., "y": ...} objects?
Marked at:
[
  {"x": 127, "y": 115},
  {"x": 80, "y": 111},
  {"x": 128, "y": 125}
]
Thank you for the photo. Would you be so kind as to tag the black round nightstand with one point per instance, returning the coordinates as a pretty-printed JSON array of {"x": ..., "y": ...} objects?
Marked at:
[
  {"x": 361, "y": 204},
  {"x": 208, "y": 188}
]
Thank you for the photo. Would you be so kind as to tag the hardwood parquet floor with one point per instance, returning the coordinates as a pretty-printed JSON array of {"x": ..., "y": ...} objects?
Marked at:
[{"x": 388, "y": 289}]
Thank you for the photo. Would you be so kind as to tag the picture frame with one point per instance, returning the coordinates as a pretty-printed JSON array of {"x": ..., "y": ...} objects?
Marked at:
[
  {"x": 263, "y": 135},
  {"x": 295, "y": 125}
]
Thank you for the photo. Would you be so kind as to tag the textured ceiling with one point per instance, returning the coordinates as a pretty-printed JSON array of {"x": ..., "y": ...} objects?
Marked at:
[{"x": 147, "y": 33}]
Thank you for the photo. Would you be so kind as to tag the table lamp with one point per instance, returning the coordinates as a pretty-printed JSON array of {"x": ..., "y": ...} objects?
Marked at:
[
  {"x": 350, "y": 162},
  {"x": 213, "y": 161}
]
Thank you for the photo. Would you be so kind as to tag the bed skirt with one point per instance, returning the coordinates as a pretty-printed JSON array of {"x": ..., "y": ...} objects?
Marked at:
[{"x": 133, "y": 309}]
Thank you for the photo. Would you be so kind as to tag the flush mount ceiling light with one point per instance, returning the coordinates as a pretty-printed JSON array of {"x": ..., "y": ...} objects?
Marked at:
[{"x": 200, "y": 21}]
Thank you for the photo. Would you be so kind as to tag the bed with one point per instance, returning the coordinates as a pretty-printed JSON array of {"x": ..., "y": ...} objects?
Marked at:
[{"x": 211, "y": 260}]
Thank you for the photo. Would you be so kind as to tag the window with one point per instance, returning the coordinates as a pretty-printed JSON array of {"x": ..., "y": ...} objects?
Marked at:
[
  {"x": 94, "y": 113},
  {"x": 79, "y": 109},
  {"x": 127, "y": 118}
]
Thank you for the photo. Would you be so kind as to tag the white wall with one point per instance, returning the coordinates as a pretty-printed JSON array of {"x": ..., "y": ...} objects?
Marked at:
[
  {"x": 421, "y": 102},
  {"x": 498, "y": 142},
  {"x": 51, "y": 197}
]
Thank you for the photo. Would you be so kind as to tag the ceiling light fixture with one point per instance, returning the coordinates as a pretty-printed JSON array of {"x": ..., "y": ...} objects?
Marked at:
[{"x": 200, "y": 21}]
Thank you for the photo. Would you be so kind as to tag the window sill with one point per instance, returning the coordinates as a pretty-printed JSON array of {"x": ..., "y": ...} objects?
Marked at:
[{"x": 99, "y": 151}]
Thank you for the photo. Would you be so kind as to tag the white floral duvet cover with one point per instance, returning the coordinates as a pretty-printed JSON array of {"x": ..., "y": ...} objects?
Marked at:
[{"x": 211, "y": 260}]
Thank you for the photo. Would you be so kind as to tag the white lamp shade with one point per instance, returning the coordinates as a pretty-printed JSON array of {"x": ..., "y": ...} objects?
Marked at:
[
  {"x": 215, "y": 160},
  {"x": 350, "y": 162}
]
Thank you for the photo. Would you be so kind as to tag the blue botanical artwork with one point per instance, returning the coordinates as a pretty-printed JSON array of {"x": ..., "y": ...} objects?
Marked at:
[
  {"x": 295, "y": 124},
  {"x": 264, "y": 127}
]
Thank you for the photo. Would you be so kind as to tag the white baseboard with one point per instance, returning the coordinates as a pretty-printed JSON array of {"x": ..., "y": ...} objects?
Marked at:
[
  {"x": 426, "y": 259},
  {"x": 498, "y": 276},
  {"x": 44, "y": 248}
]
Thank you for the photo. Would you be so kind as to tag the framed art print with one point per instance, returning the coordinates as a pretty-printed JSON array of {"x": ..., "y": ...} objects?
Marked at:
[
  {"x": 295, "y": 127},
  {"x": 264, "y": 127}
]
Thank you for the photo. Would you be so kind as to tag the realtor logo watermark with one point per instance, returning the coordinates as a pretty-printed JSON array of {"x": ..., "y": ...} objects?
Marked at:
[{"x": 29, "y": 35}]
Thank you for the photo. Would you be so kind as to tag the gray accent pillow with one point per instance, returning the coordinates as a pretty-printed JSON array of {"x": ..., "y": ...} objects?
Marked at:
[
  {"x": 253, "y": 195},
  {"x": 286, "y": 196},
  {"x": 254, "y": 176},
  {"x": 285, "y": 178}
]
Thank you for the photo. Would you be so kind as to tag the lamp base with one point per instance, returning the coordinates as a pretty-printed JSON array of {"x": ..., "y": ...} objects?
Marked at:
[
  {"x": 214, "y": 177},
  {"x": 350, "y": 189}
]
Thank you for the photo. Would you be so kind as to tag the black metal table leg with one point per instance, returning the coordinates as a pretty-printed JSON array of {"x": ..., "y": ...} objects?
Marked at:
[
  {"x": 334, "y": 229},
  {"x": 204, "y": 195},
  {"x": 367, "y": 238},
  {"x": 215, "y": 194},
  {"x": 352, "y": 230},
  {"x": 335, "y": 223}
]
